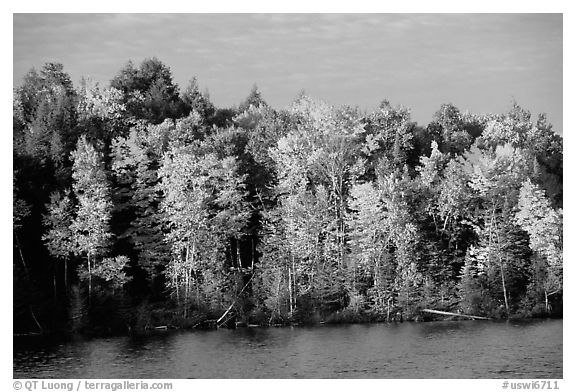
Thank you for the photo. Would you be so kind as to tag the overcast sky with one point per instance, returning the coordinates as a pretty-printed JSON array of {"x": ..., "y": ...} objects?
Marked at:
[{"x": 479, "y": 62}]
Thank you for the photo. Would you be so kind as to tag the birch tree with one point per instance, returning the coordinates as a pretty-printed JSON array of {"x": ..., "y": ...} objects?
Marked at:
[
  {"x": 91, "y": 225},
  {"x": 203, "y": 207},
  {"x": 543, "y": 224},
  {"x": 58, "y": 237}
]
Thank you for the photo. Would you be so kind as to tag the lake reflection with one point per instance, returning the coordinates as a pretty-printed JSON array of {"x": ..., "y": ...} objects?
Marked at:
[{"x": 454, "y": 349}]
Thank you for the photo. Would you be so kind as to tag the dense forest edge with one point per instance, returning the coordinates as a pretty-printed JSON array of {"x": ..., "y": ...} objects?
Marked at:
[{"x": 140, "y": 206}]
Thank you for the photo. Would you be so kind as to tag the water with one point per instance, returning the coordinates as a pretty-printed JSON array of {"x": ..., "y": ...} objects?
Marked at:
[{"x": 454, "y": 349}]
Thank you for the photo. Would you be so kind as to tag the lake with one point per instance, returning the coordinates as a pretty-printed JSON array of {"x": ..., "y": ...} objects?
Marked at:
[{"x": 442, "y": 349}]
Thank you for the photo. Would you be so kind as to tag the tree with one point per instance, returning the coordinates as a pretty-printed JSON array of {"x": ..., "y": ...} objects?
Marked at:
[
  {"x": 58, "y": 237},
  {"x": 456, "y": 134},
  {"x": 313, "y": 212},
  {"x": 372, "y": 272},
  {"x": 203, "y": 206},
  {"x": 91, "y": 226},
  {"x": 543, "y": 224},
  {"x": 403, "y": 234},
  {"x": 149, "y": 92},
  {"x": 102, "y": 113},
  {"x": 389, "y": 134},
  {"x": 112, "y": 271},
  {"x": 546, "y": 148},
  {"x": 21, "y": 210},
  {"x": 495, "y": 178},
  {"x": 194, "y": 100},
  {"x": 135, "y": 164},
  {"x": 314, "y": 170},
  {"x": 469, "y": 288},
  {"x": 47, "y": 108},
  {"x": 253, "y": 99}
]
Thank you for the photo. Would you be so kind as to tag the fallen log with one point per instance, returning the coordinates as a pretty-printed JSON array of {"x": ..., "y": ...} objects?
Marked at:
[
  {"x": 226, "y": 312},
  {"x": 233, "y": 303},
  {"x": 454, "y": 314}
]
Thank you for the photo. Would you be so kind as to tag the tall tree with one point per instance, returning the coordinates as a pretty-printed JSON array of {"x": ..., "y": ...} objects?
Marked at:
[
  {"x": 203, "y": 207},
  {"x": 149, "y": 91},
  {"x": 254, "y": 98},
  {"x": 495, "y": 177},
  {"x": 544, "y": 226},
  {"x": 58, "y": 236},
  {"x": 91, "y": 225},
  {"x": 194, "y": 100},
  {"x": 139, "y": 221},
  {"x": 390, "y": 135}
]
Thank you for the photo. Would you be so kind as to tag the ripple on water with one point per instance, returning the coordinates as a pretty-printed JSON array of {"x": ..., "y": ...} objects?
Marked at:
[{"x": 462, "y": 349}]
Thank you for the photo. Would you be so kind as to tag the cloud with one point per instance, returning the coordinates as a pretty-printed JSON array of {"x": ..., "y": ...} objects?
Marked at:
[{"x": 343, "y": 54}]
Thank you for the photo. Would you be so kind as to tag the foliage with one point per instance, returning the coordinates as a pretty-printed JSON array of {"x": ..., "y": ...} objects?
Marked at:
[
  {"x": 148, "y": 91},
  {"x": 203, "y": 208},
  {"x": 91, "y": 225},
  {"x": 167, "y": 203}
]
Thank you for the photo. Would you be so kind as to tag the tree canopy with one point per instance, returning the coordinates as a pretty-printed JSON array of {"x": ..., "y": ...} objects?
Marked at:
[{"x": 138, "y": 205}]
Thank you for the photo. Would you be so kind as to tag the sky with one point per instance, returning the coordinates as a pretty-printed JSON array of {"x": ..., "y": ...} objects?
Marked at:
[{"x": 478, "y": 62}]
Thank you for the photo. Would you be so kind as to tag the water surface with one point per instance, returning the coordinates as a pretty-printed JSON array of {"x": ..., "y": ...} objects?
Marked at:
[{"x": 451, "y": 349}]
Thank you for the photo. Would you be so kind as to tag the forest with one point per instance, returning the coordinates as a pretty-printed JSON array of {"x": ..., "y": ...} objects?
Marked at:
[{"x": 139, "y": 205}]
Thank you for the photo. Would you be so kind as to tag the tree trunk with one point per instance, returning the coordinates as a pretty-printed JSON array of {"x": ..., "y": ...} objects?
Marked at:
[
  {"x": 499, "y": 259},
  {"x": 290, "y": 290},
  {"x": 27, "y": 273},
  {"x": 177, "y": 286},
  {"x": 89, "y": 279},
  {"x": 504, "y": 289},
  {"x": 238, "y": 257},
  {"x": 187, "y": 274},
  {"x": 294, "y": 282},
  {"x": 454, "y": 314},
  {"x": 231, "y": 254},
  {"x": 186, "y": 290},
  {"x": 196, "y": 280},
  {"x": 277, "y": 296},
  {"x": 35, "y": 319},
  {"x": 21, "y": 255},
  {"x": 54, "y": 283},
  {"x": 252, "y": 251},
  {"x": 66, "y": 276}
]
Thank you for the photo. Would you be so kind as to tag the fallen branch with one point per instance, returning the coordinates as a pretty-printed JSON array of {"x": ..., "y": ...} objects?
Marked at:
[
  {"x": 454, "y": 314},
  {"x": 234, "y": 302}
]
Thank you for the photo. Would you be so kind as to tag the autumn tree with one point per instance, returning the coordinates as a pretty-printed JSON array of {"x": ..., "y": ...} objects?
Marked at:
[
  {"x": 58, "y": 236},
  {"x": 495, "y": 178},
  {"x": 91, "y": 225},
  {"x": 372, "y": 270},
  {"x": 543, "y": 224},
  {"x": 390, "y": 135},
  {"x": 102, "y": 114},
  {"x": 203, "y": 207}
]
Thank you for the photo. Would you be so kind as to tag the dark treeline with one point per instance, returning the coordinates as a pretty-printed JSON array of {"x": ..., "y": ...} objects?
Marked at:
[{"x": 140, "y": 205}]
